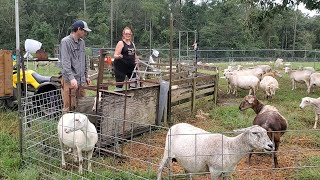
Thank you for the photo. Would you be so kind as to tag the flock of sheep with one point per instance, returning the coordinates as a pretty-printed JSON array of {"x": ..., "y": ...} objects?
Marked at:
[{"x": 197, "y": 150}]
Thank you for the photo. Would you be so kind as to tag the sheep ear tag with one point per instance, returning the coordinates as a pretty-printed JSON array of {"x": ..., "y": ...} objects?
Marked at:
[{"x": 251, "y": 100}]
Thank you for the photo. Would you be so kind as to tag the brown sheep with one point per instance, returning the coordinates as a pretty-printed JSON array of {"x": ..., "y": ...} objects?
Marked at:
[{"x": 267, "y": 117}]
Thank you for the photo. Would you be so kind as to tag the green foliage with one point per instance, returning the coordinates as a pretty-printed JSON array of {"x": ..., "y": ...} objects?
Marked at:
[{"x": 237, "y": 24}]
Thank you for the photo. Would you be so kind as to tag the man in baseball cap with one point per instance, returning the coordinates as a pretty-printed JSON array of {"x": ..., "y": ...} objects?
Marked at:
[
  {"x": 74, "y": 65},
  {"x": 81, "y": 24}
]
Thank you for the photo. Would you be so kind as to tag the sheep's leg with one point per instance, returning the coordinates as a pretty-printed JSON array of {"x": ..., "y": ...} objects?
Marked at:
[
  {"x": 309, "y": 88},
  {"x": 163, "y": 163},
  {"x": 277, "y": 143},
  {"x": 249, "y": 159},
  {"x": 275, "y": 158},
  {"x": 89, "y": 160},
  {"x": 293, "y": 84},
  {"x": 75, "y": 155},
  {"x": 214, "y": 174},
  {"x": 63, "y": 161},
  {"x": 308, "y": 84},
  {"x": 316, "y": 121},
  {"x": 80, "y": 159},
  {"x": 229, "y": 88},
  {"x": 250, "y": 91},
  {"x": 189, "y": 176},
  {"x": 254, "y": 90}
]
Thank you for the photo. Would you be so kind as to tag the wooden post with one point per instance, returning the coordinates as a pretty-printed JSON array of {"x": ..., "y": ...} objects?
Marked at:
[
  {"x": 215, "y": 93},
  {"x": 193, "y": 98},
  {"x": 6, "y": 73},
  {"x": 170, "y": 76}
]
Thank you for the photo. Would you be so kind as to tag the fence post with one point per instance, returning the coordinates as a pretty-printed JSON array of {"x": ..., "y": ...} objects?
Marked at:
[
  {"x": 216, "y": 82},
  {"x": 193, "y": 100}
]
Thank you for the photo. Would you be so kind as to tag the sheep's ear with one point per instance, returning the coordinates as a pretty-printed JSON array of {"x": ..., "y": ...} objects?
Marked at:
[{"x": 251, "y": 100}]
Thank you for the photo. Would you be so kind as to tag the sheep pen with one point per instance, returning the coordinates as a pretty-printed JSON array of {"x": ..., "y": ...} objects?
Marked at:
[{"x": 141, "y": 155}]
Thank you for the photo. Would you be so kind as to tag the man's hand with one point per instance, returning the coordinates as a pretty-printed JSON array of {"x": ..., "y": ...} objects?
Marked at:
[
  {"x": 74, "y": 83},
  {"x": 88, "y": 81}
]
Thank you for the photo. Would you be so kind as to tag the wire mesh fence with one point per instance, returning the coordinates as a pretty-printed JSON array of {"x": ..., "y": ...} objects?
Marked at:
[
  {"x": 128, "y": 155},
  {"x": 226, "y": 55}
]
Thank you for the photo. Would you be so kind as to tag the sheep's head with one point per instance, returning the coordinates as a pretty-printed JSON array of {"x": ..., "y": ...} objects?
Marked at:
[
  {"x": 78, "y": 122},
  {"x": 248, "y": 102},
  {"x": 257, "y": 137},
  {"x": 306, "y": 101}
]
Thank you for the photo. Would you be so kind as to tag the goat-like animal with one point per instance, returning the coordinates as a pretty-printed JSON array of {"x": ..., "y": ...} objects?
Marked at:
[{"x": 267, "y": 117}]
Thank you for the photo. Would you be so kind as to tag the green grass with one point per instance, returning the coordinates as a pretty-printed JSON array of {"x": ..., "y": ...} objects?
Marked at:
[
  {"x": 310, "y": 173},
  {"x": 224, "y": 117}
]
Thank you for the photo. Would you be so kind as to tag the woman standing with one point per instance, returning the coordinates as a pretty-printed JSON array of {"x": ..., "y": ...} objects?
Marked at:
[{"x": 125, "y": 57}]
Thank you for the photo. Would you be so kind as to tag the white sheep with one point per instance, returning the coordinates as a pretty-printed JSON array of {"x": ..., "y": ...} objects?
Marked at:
[
  {"x": 314, "y": 81},
  {"x": 265, "y": 68},
  {"x": 287, "y": 70},
  {"x": 307, "y": 69},
  {"x": 236, "y": 81},
  {"x": 258, "y": 72},
  {"x": 315, "y": 102},
  {"x": 269, "y": 84},
  {"x": 199, "y": 151},
  {"x": 278, "y": 63},
  {"x": 77, "y": 132},
  {"x": 299, "y": 76}
]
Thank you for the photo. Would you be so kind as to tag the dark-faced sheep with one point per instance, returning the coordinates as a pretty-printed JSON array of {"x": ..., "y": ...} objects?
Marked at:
[{"x": 267, "y": 117}]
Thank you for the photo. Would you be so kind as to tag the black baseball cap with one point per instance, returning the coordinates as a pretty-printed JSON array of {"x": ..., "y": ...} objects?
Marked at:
[{"x": 81, "y": 24}]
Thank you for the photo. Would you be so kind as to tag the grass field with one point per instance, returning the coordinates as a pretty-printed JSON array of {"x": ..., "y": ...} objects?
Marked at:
[{"x": 224, "y": 117}]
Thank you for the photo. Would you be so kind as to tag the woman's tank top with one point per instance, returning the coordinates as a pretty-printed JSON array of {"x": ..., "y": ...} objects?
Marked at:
[{"x": 128, "y": 52}]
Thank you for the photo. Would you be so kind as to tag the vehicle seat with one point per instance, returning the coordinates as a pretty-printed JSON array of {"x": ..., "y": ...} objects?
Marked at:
[{"x": 40, "y": 79}]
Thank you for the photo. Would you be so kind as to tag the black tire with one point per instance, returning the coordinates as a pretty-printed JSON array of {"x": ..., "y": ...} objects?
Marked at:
[{"x": 47, "y": 101}]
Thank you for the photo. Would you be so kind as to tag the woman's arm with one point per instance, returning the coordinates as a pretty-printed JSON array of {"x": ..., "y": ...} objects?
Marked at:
[
  {"x": 117, "y": 51},
  {"x": 136, "y": 57}
]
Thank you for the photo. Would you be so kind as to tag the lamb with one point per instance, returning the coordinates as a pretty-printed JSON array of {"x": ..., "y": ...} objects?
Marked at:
[
  {"x": 244, "y": 82},
  {"x": 315, "y": 102},
  {"x": 314, "y": 81},
  {"x": 77, "y": 132},
  {"x": 269, "y": 84},
  {"x": 300, "y": 76},
  {"x": 269, "y": 118},
  {"x": 198, "y": 151},
  {"x": 272, "y": 73}
]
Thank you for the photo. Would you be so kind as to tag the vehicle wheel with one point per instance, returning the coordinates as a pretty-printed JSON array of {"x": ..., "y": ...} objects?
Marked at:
[
  {"x": 49, "y": 105},
  {"x": 11, "y": 103},
  {"x": 2, "y": 104}
]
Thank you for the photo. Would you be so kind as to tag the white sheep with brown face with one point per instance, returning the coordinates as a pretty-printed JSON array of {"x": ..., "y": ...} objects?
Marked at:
[
  {"x": 78, "y": 133},
  {"x": 199, "y": 151},
  {"x": 315, "y": 102}
]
